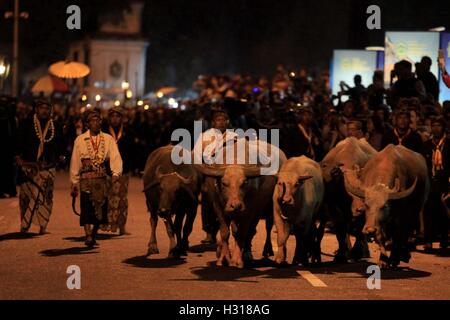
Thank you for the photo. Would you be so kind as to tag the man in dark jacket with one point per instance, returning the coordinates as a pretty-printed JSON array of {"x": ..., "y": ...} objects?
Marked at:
[
  {"x": 301, "y": 138},
  {"x": 38, "y": 150},
  {"x": 437, "y": 154},
  {"x": 428, "y": 78},
  {"x": 402, "y": 134}
]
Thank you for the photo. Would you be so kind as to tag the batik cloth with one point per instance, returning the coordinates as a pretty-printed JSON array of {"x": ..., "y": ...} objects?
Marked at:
[
  {"x": 36, "y": 197},
  {"x": 117, "y": 204}
]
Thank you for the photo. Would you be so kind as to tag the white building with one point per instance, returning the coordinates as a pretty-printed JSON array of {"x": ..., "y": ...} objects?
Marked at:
[{"x": 116, "y": 54}]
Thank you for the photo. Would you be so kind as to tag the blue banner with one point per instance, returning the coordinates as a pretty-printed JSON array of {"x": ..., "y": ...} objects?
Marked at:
[
  {"x": 348, "y": 63},
  {"x": 410, "y": 46}
]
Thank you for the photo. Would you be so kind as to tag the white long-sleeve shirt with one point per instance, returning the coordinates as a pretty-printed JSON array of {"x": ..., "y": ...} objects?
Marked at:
[
  {"x": 207, "y": 145},
  {"x": 83, "y": 150}
]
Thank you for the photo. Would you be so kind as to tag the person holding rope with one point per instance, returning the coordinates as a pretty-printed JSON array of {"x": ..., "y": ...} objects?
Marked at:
[
  {"x": 92, "y": 152},
  {"x": 38, "y": 149}
]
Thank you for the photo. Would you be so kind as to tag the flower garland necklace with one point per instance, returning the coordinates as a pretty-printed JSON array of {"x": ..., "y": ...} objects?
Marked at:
[
  {"x": 96, "y": 149},
  {"x": 41, "y": 135},
  {"x": 38, "y": 129}
]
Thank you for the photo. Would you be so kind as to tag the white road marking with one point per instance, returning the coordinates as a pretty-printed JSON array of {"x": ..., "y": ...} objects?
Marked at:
[{"x": 312, "y": 279}]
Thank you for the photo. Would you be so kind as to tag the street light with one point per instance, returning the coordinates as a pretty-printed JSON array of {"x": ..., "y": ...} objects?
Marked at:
[
  {"x": 125, "y": 85},
  {"x": 16, "y": 15},
  {"x": 374, "y": 48},
  {"x": 4, "y": 71},
  {"x": 437, "y": 29}
]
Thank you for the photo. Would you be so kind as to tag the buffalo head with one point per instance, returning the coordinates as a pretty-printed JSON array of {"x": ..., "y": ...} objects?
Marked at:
[
  {"x": 169, "y": 185},
  {"x": 232, "y": 183},
  {"x": 374, "y": 199}
]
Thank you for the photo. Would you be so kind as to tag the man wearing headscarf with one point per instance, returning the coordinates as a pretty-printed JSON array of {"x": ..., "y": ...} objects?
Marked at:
[
  {"x": 206, "y": 148},
  {"x": 88, "y": 174},
  {"x": 118, "y": 200},
  {"x": 39, "y": 147},
  {"x": 437, "y": 154}
]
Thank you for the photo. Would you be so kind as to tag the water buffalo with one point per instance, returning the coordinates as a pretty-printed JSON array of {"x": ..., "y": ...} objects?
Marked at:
[
  {"x": 394, "y": 186},
  {"x": 170, "y": 190},
  {"x": 347, "y": 155},
  {"x": 241, "y": 195},
  {"x": 297, "y": 199}
]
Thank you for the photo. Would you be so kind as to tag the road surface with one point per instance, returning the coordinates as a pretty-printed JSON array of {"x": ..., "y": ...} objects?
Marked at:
[{"x": 35, "y": 267}]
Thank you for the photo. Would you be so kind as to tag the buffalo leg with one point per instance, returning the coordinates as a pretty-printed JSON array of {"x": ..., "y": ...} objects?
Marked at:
[
  {"x": 282, "y": 235},
  {"x": 383, "y": 261},
  {"x": 236, "y": 259},
  {"x": 268, "y": 249},
  {"x": 170, "y": 232},
  {"x": 152, "y": 244},
  {"x": 302, "y": 243},
  {"x": 188, "y": 226},
  {"x": 239, "y": 241},
  {"x": 317, "y": 240},
  {"x": 360, "y": 249},
  {"x": 223, "y": 251},
  {"x": 179, "y": 217},
  {"x": 342, "y": 238}
]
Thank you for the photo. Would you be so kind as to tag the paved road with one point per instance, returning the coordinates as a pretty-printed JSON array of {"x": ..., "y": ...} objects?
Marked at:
[{"x": 34, "y": 267}]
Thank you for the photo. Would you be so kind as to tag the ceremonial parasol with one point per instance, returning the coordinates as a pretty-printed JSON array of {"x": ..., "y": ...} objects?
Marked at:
[
  {"x": 167, "y": 90},
  {"x": 69, "y": 69},
  {"x": 49, "y": 84}
]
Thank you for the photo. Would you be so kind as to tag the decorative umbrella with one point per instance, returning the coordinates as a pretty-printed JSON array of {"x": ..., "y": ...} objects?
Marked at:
[
  {"x": 167, "y": 90},
  {"x": 49, "y": 84},
  {"x": 69, "y": 69}
]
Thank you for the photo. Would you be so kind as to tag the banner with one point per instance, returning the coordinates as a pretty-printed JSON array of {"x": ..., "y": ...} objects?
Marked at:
[
  {"x": 410, "y": 46},
  {"x": 445, "y": 45},
  {"x": 348, "y": 63}
]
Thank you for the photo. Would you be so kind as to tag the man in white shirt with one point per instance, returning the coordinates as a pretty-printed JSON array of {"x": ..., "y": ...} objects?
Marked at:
[
  {"x": 88, "y": 173},
  {"x": 205, "y": 150}
]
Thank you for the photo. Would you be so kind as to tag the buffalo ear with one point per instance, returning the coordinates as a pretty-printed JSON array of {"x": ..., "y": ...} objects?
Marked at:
[{"x": 301, "y": 179}]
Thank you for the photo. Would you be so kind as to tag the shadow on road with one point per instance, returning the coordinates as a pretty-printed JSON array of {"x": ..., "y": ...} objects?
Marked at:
[
  {"x": 100, "y": 236},
  {"x": 17, "y": 236},
  {"x": 200, "y": 248},
  {"x": 361, "y": 268},
  {"x": 441, "y": 252},
  {"x": 212, "y": 272},
  {"x": 67, "y": 251},
  {"x": 147, "y": 262}
]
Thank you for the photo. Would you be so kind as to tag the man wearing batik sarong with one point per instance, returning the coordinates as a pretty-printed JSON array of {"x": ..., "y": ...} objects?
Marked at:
[
  {"x": 92, "y": 152},
  {"x": 118, "y": 200},
  {"x": 38, "y": 150}
]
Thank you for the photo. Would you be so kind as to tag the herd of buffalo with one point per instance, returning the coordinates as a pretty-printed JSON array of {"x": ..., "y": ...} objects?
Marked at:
[{"x": 369, "y": 194}]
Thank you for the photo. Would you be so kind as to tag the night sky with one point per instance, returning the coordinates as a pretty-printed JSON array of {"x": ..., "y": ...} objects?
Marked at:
[{"x": 188, "y": 38}]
